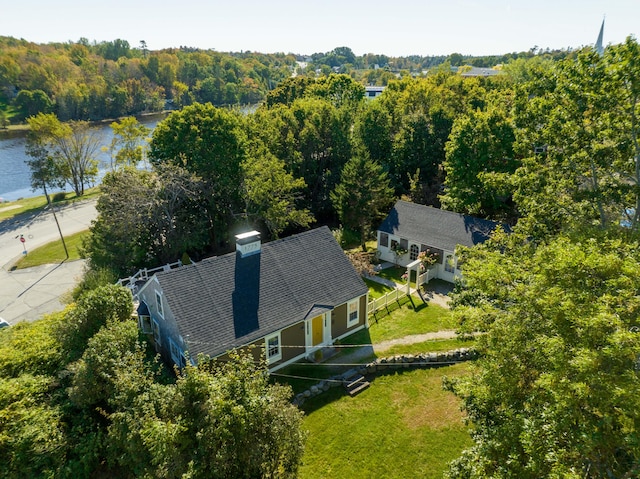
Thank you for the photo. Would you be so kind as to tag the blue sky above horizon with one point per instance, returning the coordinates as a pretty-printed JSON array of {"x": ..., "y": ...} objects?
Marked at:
[{"x": 401, "y": 28}]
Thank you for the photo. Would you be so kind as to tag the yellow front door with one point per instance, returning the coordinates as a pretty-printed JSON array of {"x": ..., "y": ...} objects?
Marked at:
[{"x": 317, "y": 329}]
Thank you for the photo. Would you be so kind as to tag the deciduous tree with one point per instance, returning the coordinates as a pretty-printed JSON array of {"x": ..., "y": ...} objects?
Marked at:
[
  {"x": 72, "y": 147},
  {"x": 211, "y": 143},
  {"x": 479, "y": 162},
  {"x": 556, "y": 391},
  {"x": 271, "y": 193},
  {"x": 128, "y": 146}
]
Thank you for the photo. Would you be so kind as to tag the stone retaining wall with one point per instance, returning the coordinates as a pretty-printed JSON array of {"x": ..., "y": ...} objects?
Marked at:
[{"x": 388, "y": 365}]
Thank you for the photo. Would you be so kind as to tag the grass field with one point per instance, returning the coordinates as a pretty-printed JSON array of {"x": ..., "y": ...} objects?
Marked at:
[
  {"x": 405, "y": 425},
  {"x": 53, "y": 252},
  {"x": 9, "y": 209}
]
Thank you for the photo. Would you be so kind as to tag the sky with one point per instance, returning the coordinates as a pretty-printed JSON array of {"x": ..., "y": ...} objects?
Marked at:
[{"x": 393, "y": 28}]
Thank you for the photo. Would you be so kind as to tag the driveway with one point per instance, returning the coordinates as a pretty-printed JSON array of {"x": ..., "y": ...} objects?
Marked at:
[{"x": 27, "y": 294}]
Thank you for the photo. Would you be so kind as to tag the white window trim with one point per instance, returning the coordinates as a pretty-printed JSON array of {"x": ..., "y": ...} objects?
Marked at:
[
  {"x": 276, "y": 357},
  {"x": 350, "y": 322},
  {"x": 159, "y": 305}
]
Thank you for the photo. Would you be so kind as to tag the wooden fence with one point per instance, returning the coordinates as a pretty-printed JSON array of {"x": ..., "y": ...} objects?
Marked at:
[
  {"x": 397, "y": 294},
  {"x": 383, "y": 302}
]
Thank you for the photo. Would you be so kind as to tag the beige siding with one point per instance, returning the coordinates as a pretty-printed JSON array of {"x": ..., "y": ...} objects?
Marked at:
[
  {"x": 339, "y": 321},
  {"x": 362, "y": 311},
  {"x": 339, "y": 318},
  {"x": 292, "y": 336},
  {"x": 256, "y": 348}
]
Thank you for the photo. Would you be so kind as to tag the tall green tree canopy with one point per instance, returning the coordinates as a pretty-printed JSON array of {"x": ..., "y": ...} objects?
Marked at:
[
  {"x": 148, "y": 218},
  {"x": 556, "y": 391},
  {"x": 576, "y": 131},
  {"x": 479, "y": 163},
  {"x": 363, "y": 196},
  {"x": 211, "y": 143}
]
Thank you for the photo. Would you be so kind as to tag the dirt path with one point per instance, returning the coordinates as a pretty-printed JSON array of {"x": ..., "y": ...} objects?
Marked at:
[
  {"x": 364, "y": 352},
  {"x": 414, "y": 338}
]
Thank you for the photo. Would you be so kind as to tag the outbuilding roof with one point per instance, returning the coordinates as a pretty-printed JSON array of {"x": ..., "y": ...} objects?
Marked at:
[
  {"x": 435, "y": 227},
  {"x": 229, "y": 301}
]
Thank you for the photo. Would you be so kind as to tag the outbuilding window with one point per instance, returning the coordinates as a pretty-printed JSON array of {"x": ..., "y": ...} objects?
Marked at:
[
  {"x": 449, "y": 264},
  {"x": 384, "y": 240}
]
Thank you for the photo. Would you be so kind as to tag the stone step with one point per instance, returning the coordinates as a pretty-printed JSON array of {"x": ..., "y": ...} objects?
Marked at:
[{"x": 356, "y": 384}]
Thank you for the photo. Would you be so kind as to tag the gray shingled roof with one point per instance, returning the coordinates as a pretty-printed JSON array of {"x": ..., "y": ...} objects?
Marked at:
[
  {"x": 435, "y": 227},
  {"x": 229, "y": 301}
]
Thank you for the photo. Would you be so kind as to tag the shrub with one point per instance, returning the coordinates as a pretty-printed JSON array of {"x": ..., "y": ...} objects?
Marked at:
[{"x": 60, "y": 196}]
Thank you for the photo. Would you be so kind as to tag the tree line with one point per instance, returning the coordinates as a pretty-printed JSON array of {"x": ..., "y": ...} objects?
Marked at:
[
  {"x": 86, "y": 80},
  {"x": 92, "y": 81}
]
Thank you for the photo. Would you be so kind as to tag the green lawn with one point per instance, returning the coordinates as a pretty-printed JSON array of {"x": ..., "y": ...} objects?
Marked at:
[
  {"x": 404, "y": 425},
  {"x": 394, "y": 274},
  {"x": 376, "y": 290},
  {"x": 53, "y": 252},
  {"x": 404, "y": 321},
  {"x": 408, "y": 320},
  {"x": 33, "y": 204}
]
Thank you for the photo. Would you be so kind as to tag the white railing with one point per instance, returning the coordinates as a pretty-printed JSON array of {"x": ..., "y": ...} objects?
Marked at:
[
  {"x": 400, "y": 292},
  {"x": 383, "y": 302},
  {"x": 145, "y": 273},
  {"x": 425, "y": 277}
]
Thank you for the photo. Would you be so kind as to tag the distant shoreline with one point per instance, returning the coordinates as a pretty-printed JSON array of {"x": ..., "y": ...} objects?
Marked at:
[{"x": 20, "y": 130}]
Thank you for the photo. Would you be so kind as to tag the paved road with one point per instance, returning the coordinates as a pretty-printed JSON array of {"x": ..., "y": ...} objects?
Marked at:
[{"x": 27, "y": 294}]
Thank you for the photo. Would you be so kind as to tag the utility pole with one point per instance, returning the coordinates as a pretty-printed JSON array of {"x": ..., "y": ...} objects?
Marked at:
[{"x": 64, "y": 245}]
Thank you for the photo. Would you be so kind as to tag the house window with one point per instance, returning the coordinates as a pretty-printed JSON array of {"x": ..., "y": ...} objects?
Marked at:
[
  {"x": 155, "y": 326},
  {"x": 159, "y": 304},
  {"x": 176, "y": 354},
  {"x": 413, "y": 252},
  {"x": 449, "y": 264},
  {"x": 404, "y": 244},
  {"x": 353, "y": 312},
  {"x": 384, "y": 240},
  {"x": 144, "y": 323},
  {"x": 394, "y": 245},
  {"x": 274, "y": 351}
]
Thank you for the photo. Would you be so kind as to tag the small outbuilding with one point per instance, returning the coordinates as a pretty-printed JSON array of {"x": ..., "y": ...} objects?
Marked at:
[{"x": 410, "y": 228}]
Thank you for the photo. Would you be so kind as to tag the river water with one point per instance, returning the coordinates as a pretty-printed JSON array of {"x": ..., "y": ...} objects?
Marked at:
[{"x": 15, "y": 175}]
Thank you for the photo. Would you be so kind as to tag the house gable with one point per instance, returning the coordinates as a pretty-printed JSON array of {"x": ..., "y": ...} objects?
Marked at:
[{"x": 230, "y": 301}]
